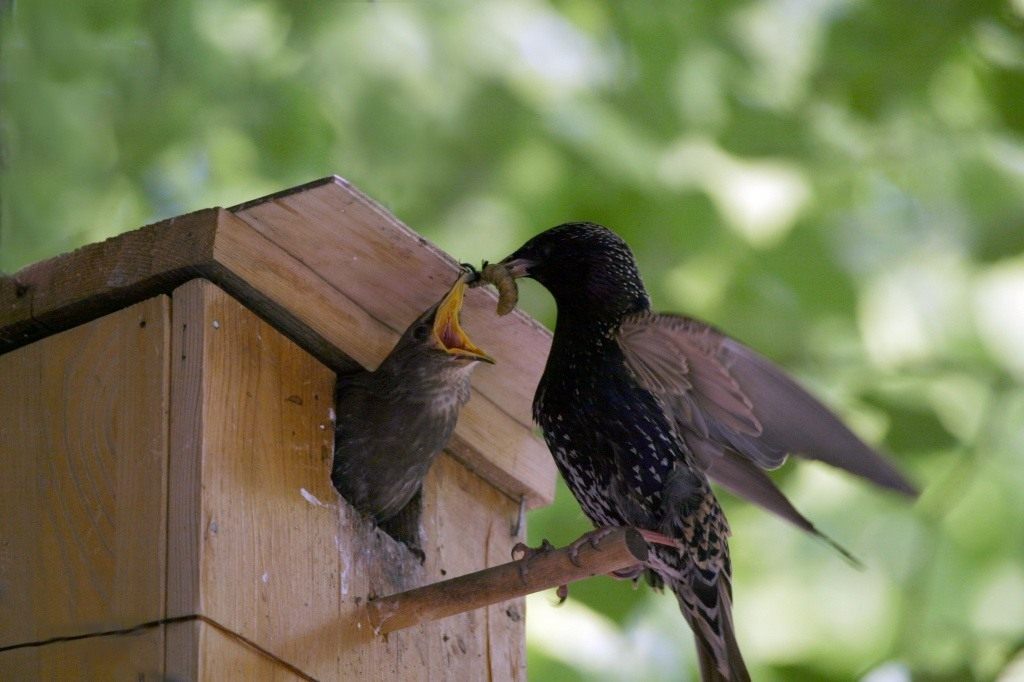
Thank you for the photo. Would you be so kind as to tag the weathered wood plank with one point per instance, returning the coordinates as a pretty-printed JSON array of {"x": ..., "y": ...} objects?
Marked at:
[
  {"x": 265, "y": 407},
  {"x": 222, "y": 657},
  {"x": 97, "y": 279},
  {"x": 467, "y": 526},
  {"x": 364, "y": 251},
  {"x": 472, "y": 525},
  {"x": 134, "y": 656},
  {"x": 206, "y": 653},
  {"x": 73, "y": 288},
  {"x": 335, "y": 273},
  {"x": 186, "y": 429},
  {"x": 181, "y": 649},
  {"x": 283, "y": 560},
  {"x": 84, "y": 443},
  {"x": 139, "y": 656}
]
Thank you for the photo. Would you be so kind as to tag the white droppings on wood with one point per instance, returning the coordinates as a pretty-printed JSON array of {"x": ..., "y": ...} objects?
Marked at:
[
  {"x": 343, "y": 574},
  {"x": 312, "y": 499}
]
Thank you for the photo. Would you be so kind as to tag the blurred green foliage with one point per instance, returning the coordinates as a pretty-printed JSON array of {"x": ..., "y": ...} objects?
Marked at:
[{"x": 839, "y": 183}]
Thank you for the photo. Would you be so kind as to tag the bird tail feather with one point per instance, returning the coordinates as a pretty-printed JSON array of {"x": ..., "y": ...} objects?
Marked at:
[{"x": 706, "y": 603}]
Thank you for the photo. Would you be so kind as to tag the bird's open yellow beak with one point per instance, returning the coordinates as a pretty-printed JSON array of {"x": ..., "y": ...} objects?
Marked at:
[{"x": 447, "y": 330}]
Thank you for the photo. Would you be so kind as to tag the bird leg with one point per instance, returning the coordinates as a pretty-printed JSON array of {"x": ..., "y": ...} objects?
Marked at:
[
  {"x": 656, "y": 538},
  {"x": 528, "y": 554},
  {"x": 524, "y": 553},
  {"x": 593, "y": 538}
]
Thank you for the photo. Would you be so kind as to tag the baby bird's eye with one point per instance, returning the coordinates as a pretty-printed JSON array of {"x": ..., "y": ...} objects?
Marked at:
[{"x": 420, "y": 332}]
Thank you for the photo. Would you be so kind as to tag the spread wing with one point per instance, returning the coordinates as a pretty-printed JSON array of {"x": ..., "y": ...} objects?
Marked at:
[{"x": 722, "y": 397}]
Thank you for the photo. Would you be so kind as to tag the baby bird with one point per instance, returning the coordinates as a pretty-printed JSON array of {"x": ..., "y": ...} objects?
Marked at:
[{"x": 392, "y": 422}]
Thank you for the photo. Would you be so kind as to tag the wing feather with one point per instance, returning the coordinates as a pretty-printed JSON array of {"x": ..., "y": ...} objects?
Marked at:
[
  {"x": 718, "y": 389},
  {"x": 680, "y": 366}
]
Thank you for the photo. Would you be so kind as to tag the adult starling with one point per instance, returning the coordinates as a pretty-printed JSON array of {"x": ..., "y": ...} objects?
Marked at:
[
  {"x": 639, "y": 409},
  {"x": 392, "y": 422}
]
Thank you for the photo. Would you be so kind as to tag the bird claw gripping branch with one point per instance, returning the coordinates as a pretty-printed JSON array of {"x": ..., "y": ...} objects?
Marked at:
[
  {"x": 526, "y": 554},
  {"x": 593, "y": 538}
]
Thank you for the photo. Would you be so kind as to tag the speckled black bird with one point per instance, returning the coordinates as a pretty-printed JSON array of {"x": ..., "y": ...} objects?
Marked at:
[
  {"x": 639, "y": 409},
  {"x": 392, "y": 422}
]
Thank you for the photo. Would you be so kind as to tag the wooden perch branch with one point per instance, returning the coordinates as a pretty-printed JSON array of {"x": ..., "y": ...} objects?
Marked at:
[{"x": 619, "y": 549}]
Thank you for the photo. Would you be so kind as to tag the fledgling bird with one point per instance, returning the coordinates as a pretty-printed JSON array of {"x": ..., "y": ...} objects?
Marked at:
[
  {"x": 392, "y": 422},
  {"x": 640, "y": 409}
]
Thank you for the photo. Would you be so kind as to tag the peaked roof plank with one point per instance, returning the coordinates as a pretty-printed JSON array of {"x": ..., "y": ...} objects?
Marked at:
[{"x": 331, "y": 269}]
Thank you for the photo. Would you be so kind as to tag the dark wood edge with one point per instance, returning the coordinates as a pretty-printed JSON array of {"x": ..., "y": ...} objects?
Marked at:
[
  {"x": 328, "y": 180},
  {"x": 63, "y": 292},
  {"x": 279, "y": 317},
  {"x": 149, "y": 261}
]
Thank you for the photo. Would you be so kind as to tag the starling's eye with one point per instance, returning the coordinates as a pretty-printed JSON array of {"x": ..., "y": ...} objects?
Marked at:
[{"x": 420, "y": 332}]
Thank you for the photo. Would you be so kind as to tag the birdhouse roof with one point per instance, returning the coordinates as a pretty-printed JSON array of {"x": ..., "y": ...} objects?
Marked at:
[{"x": 334, "y": 271}]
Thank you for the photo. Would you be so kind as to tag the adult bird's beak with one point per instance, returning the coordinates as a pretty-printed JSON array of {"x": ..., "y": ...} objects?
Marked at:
[
  {"x": 517, "y": 267},
  {"x": 448, "y": 333}
]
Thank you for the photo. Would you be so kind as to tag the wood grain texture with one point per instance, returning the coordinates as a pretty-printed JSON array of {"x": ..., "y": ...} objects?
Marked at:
[
  {"x": 223, "y": 657},
  {"x": 84, "y": 443},
  {"x": 136, "y": 656},
  {"x": 282, "y": 560},
  {"x": 335, "y": 273},
  {"x": 364, "y": 251},
  {"x": 97, "y": 279},
  {"x": 185, "y": 450},
  {"x": 216, "y": 655},
  {"x": 362, "y": 311}
]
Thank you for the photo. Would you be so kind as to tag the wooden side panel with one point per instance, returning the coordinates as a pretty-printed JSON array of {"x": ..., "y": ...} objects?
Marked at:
[
  {"x": 181, "y": 651},
  {"x": 222, "y": 657},
  {"x": 265, "y": 450},
  {"x": 185, "y": 452},
  {"x": 84, "y": 444},
  {"x": 283, "y": 561},
  {"x": 468, "y": 525},
  {"x": 213, "y": 655},
  {"x": 137, "y": 656},
  {"x": 471, "y": 525}
]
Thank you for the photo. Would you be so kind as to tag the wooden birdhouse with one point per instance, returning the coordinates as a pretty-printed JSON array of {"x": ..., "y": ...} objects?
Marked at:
[{"x": 167, "y": 436}]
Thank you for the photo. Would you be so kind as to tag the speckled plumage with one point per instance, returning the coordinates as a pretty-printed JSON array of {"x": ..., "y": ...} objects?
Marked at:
[{"x": 639, "y": 410}]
